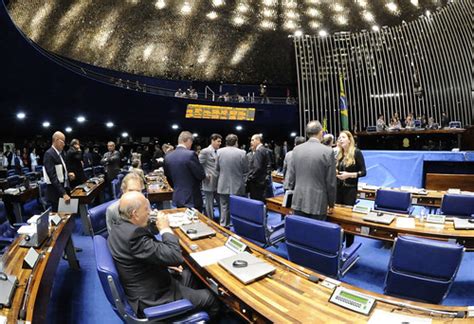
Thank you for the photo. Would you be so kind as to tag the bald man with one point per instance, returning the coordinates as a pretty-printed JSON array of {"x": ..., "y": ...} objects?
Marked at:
[
  {"x": 143, "y": 262},
  {"x": 54, "y": 167}
]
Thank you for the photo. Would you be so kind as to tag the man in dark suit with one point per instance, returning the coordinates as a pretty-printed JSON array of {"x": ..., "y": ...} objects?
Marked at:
[
  {"x": 185, "y": 173},
  {"x": 144, "y": 263},
  {"x": 312, "y": 174},
  {"x": 56, "y": 172},
  {"x": 259, "y": 169},
  {"x": 75, "y": 164},
  {"x": 111, "y": 162}
]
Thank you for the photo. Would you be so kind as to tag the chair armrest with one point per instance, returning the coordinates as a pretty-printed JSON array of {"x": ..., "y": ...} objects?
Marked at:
[
  {"x": 348, "y": 252},
  {"x": 276, "y": 227},
  {"x": 172, "y": 309},
  {"x": 18, "y": 225},
  {"x": 4, "y": 241}
]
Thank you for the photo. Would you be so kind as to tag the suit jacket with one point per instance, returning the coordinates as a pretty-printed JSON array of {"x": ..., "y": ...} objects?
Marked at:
[
  {"x": 185, "y": 173},
  {"x": 142, "y": 262},
  {"x": 74, "y": 164},
  {"x": 260, "y": 167},
  {"x": 232, "y": 164},
  {"x": 312, "y": 174},
  {"x": 111, "y": 161},
  {"x": 208, "y": 160},
  {"x": 286, "y": 166},
  {"x": 56, "y": 189}
]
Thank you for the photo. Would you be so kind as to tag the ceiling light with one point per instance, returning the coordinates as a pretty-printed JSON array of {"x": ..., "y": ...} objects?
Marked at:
[
  {"x": 427, "y": 13},
  {"x": 290, "y": 4},
  {"x": 375, "y": 28},
  {"x": 46, "y": 124},
  {"x": 68, "y": 129},
  {"x": 290, "y": 24},
  {"x": 298, "y": 33},
  {"x": 323, "y": 33},
  {"x": 124, "y": 134},
  {"x": 269, "y": 3},
  {"x": 368, "y": 16},
  {"x": 217, "y": 3},
  {"x": 392, "y": 6},
  {"x": 195, "y": 134},
  {"x": 238, "y": 20},
  {"x": 314, "y": 24},
  {"x": 267, "y": 24},
  {"x": 238, "y": 127},
  {"x": 109, "y": 124},
  {"x": 242, "y": 8},
  {"x": 268, "y": 13},
  {"x": 312, "y": 12},
  {"x": 212, "y": 15},
  {"x": 341, "y": 20},
  {"x": 160, "y": 4},
  {"x": 186, "y": 8},
  {"x": 293, "y": 134},
  {"x": 338, "y": 7},
  {"x": 414, "y": 2},
  {"x": 291, "y": 14},
  {"x": 362, "y": 3},
  {"x": 81, "y": 119},
  {"x": 21, "y": 115},
  {"x": 174, "y": 126}
]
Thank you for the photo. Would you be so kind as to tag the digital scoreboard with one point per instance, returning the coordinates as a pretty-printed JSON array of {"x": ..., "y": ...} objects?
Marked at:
[{"x": 219, "y": 112}]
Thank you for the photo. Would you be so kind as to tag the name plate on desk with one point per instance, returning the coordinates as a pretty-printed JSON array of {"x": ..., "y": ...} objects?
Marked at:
[
  {"x": 437, "y": 219},
  {"x": 55, "y": 219},
  {"x": 361, "y": 209},
  {"x": 30, "y": 259}
]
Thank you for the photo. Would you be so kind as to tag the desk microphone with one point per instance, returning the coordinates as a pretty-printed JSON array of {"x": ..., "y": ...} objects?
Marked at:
[{"x": 310, "y": 277}]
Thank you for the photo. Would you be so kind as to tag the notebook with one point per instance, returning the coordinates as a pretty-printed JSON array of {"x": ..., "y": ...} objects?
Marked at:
[
  {"x": 255, "y": 269},
  {"x": 197, "y": 230},
  {"x": 463, "y": 223},
  {"x": 383, "y": 219}
]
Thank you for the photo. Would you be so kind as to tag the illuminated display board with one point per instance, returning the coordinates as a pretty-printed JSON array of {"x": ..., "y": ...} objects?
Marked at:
[{"x": 219, "y": 112}]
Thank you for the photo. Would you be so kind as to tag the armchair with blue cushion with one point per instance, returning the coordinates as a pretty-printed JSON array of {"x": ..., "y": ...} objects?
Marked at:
[
  {"x": 457, "y": 205},
  {"x": 393, "y": 201},
  {"x": 88, "y": 172},
  {"x": 319, "y": 245},
  {"x": 249, "y": 218},
  {"x": 7, "y": 231},
  {"x": 97, "y": 218},
  {"x": 98, "y": 170},
  {"x": 11, "y": 172},
  {"x": 13, "y": 180},
  {"x": 422, "y": 269},
  {"x": 25, "y": 170},
  {"x": 180, "y": 311},
  {"x": 115, "y": 188},
  {"x": 278, "y": 189}
]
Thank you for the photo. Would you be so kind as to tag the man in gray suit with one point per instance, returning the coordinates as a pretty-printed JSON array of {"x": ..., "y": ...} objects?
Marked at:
[
  {"x": 208, "y": 160},
  {"x": 233, "y": 167},
  {"x": 288, "y": 159},
  {"x": 312, "y": 174}
]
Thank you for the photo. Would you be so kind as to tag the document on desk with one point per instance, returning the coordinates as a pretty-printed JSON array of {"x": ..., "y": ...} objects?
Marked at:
[
  {"x": 70, "y": 208},
  {"x": 405, "y": 222},
  {"x": 380, "y": 316},
  {"x": 211, "y": 256}
]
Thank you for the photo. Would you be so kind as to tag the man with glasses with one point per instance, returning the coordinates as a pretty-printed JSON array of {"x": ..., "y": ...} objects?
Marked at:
[{"x": 55, "y": 172}]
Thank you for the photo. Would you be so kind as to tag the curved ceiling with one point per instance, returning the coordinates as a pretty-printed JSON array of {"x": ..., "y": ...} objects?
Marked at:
[{"x": 244, "y": 41}]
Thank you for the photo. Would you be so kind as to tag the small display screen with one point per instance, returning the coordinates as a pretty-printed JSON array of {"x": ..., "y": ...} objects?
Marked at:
[
  {"x": 219, "y": 112},
  {"x": 354, "y": 297}
]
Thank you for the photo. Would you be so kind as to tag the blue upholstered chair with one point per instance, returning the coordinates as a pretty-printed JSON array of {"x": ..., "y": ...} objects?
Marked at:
[
  {"x": 120, "y": 177},
  {"x": 115, "y": 188},
  {"x": 32, "y": 176},
  {"x": 249, "y": 218},
  {"x": 393, "y": 201},
  {"x": 98, "y": 170},
  {"x": 13, "y": 180},
  {"x": 88, "y": 172},
  {"x": 318, "y": 245},
  {"x": 97, "y": 218},
  {"x": 42, "y": 194},
  {"x": 25, "y": 170},
  {"x": 39, "y": 168},
  {"x": 278, "y": 189},
  {"x": 457, "y": 205},
  {"x": 179, "y": 311},
  {"x": 422, "y": 269},
  {"x": 7, "y": 232},
  {"x": 11, "y": 172}
]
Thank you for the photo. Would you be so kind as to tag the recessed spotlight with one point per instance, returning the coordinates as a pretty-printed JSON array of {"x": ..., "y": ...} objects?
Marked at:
[
  {"x": 323, "y": 33},
  {"x": 392, "y": 6},
  {"x": 427, "y": 13},
  {"x": 21, "y": 115},
  {"x": 174, "y": 126},
  {"x": 81, "y": 119},
  {"x": 160, "y": 4},
  {"x": 293, "y": 134},
  {"x": 46, "y": 124},
  {"x": 109, "y": 124},
  {"x": 217, "y": 3},
  {"x": 68, "y": 129},
  {"x": 212, "y": 15},
  {"x": 375, "y": 28},
  {"x": 124, "y": 134},
  {"x": 238, "y": 20},
  {"x": 238, "y": 127},
  {"x": 186, "y": 8},
  {"x": 368, "y": 16},
  {"x": 195, "y": 134},
  {"x": 298, "y": 33}
]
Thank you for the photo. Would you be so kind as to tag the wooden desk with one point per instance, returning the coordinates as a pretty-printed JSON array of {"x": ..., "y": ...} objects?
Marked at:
[
  {"x": 86, "y": 198},
  {"x": 354, "y": 224},
  {"x": 159, "y": 192},
  {"x": 278, "y": 178},
  {"x": 42, "y": 275},
  {"x": 18, "y": 200},
  {"x": 433, "y": 198},
  {"x": 285, "y": 297}
]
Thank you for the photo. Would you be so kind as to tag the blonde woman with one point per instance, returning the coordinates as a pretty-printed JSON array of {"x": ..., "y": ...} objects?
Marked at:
[{"x": 350, "y": 165}]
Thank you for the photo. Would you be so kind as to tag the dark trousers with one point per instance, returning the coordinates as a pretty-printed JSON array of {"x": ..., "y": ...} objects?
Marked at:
[
  {"x": 201, "y": 298},
  {"x": 346, "y": 196},
  {"x": 256, "y": 191},
  {"x": 318, "y": 217}
]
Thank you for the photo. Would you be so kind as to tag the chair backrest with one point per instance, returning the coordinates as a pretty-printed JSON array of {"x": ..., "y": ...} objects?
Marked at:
[
  {"x": 422, "y": 269},
  {"x": 278, "y": 189},
  {"x": 13, "y": 180},
  {"x": 32, "y": 176},
  {"x": 88, "y": 172},
  {"x": 314, "y": 244},
  {"x": 3, "y": 212},
  {"x": 457, "y": 205},
  {"x": 120, "y": 177},
  {"x": 110, "y": 280},
  {"x": 115, "y": 188},
  {"x": 393, "y": 201},
  {"x": 249, "y": 218},
  {"x": 39, "y": 168},
  {"x": 97, "y": 217},
  {"x": 11, "y": 172}
]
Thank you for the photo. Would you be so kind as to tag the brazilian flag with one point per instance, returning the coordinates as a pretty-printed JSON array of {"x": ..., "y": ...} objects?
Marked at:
[{"x": 343, "y": 105}]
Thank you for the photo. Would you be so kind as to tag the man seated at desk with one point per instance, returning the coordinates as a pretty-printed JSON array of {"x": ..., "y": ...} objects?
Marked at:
[{"x": 144, "y": 263}]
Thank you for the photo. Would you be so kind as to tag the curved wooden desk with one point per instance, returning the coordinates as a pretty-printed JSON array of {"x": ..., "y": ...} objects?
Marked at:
[
  {"x": 42, "y": 275},
  {"x": 86, "y": 198},
  {"x": 432, "y": 198},
  {"x": 285, "y": 296},
  {"x": 157, "y": 192},
  {"x": 354, "y": 224}
]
